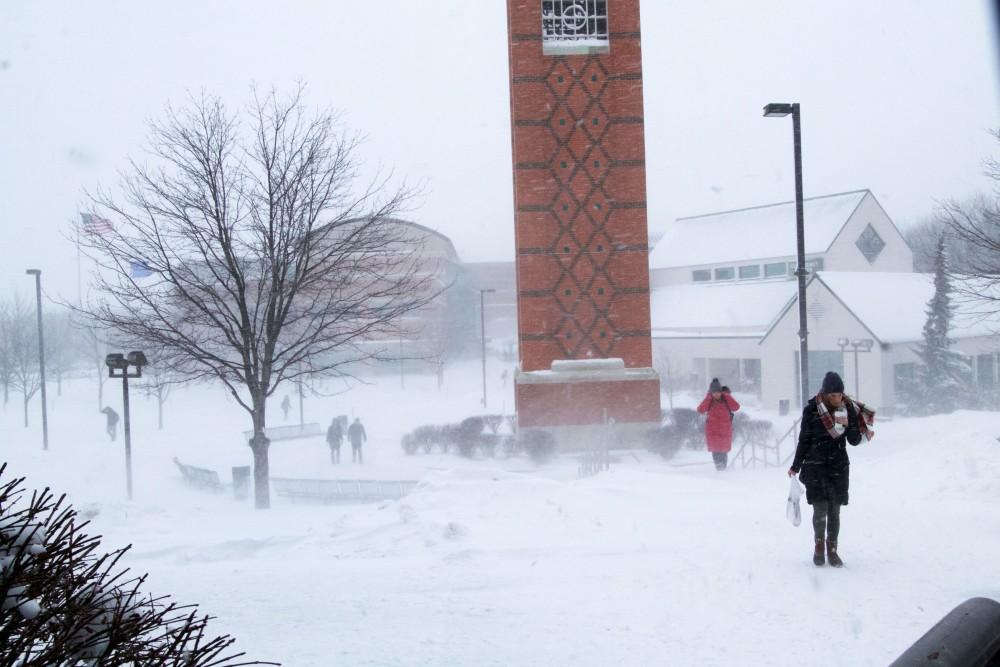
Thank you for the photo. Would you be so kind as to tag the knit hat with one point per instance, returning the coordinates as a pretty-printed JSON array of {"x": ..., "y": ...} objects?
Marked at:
[
  {"x": 715, "y": 386},
  {"x": 832, "y": 384}
]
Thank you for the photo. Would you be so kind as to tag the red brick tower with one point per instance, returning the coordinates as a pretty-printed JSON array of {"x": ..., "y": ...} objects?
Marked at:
[{"x": 580, "y": 202}]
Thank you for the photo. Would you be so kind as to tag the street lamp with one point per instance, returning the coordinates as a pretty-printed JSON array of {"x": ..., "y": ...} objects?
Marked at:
[
  {"x": 863, "y": 345},
  {"x": 482, "y": 326},
  {"x": 118, "y": 364},
  {"x": 776, "y": 110},
  {"x": 41, "y": 355}
]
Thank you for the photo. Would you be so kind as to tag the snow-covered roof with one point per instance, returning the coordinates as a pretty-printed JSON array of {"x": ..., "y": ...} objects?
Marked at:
[
  {"x": 712, "y": 310},
  {"x": 758, "y": 233},
  {"x": 893, "y": 306}
]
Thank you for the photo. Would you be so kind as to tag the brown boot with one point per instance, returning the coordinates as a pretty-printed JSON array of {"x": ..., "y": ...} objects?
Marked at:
[
  {"x": 831, "y": 554},
  {"x": 818, "y": 553}
]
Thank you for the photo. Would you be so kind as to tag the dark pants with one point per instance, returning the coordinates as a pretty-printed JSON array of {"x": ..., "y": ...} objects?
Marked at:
[
  {"x": 356, "y": 456},
  {"x": 720, "y": 459},
  {"x": 334, "y": 454},
  {"x": 826, "y": 518},
  {"x": 113, "y": 431}
]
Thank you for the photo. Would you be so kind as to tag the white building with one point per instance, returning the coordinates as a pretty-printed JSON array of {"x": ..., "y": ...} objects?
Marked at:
[{"x": 724, "y": 302}]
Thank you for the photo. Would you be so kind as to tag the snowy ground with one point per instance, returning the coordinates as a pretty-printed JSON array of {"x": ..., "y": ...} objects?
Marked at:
[{"x": 503, "y": 563}]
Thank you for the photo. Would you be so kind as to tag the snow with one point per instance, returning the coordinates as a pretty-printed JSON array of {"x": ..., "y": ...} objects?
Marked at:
[
  {"x": 894, "y": 305},
  {"x": 502, "y": 562},
  {"x": 732, "y": 310},
  {"x": 758, "y": 233}
]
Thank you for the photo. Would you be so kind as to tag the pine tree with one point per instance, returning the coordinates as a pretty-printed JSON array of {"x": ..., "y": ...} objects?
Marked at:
[{"x": 942, "y": 376}]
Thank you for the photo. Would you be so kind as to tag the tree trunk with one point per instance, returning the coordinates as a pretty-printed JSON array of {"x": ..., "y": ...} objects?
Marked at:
[
  {"x": 259, "y": 445},
  {"x": 59, "y": 383},
  {"x": 25, "y": 409},
  {"x": 159, "y": 408}
]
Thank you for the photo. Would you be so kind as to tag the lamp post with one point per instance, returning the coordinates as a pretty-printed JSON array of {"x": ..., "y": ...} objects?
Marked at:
[
  {"x": 118, "y": 364},
  {"x": 41, "y": 355},
  {"x": 775, "y": 110},
  {"x": 482, "y": 326},
  {"x": 860, "y": 345}
]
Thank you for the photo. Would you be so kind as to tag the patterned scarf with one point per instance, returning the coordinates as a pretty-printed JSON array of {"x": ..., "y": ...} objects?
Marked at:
[{"x": 866, "y": 417}]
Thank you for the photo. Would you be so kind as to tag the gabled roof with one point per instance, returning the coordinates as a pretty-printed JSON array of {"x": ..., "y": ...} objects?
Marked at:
[
  {"x": 762, "y": 232},
  {"x": 893, "y": 306},
  {"x": 713, "y": 310}
]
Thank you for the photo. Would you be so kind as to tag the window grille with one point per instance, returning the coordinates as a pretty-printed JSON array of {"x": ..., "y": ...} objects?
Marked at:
[{"x": 570, "y": 24}]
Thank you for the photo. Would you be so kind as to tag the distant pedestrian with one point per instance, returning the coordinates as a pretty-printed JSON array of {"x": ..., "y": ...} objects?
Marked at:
[
  {"x": 719, "y": 406},
  {"x": 829, "y": 421},
  {"x": 112, "y": 422},
  {"x": 356, "y": 434},
  {"x": 286, "y": 405},
  {"x": 334, "y": 437}
]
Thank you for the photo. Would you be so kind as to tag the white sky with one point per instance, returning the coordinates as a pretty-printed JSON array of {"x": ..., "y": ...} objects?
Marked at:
[{"x": 897, "y": 96}]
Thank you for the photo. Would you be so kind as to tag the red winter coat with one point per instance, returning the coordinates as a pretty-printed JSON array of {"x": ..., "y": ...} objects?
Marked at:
[{"x": 719, "y": 425}]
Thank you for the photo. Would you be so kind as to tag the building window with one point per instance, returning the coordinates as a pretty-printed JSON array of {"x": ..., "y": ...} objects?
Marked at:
[
  {"x": 750, "y": 271},
  {"x": 725, "y": 273},
  {"x": 574, "y": 26},
  {"x": 701, "y": 275},
  {"x": 814, "y": 265},
  {"x": 984, "y": 371},
  {"x": 776, "y": 269},
  {"x": 870, "y": 244},
  {"x": 903, "y": 377}
]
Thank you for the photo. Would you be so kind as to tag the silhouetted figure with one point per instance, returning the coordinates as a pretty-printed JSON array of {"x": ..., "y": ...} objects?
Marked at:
[
  {"x": 334, "y": 437},
  {"x": 286, "y": 405},
  {"x": 356, "y": 434},
  {"x": 112, "y": 422}
]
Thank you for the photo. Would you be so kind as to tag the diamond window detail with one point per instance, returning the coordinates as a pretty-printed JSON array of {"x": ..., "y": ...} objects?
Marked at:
[
  {"x": 574, "y": 26},
  {"x": 870, "y": 244}
]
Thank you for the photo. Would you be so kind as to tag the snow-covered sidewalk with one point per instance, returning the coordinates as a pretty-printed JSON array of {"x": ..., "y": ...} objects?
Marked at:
[{"x": 502, "y": 563}]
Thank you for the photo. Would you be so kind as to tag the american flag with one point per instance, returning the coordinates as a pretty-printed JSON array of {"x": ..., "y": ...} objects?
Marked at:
[{"x": 95, "y": 224}]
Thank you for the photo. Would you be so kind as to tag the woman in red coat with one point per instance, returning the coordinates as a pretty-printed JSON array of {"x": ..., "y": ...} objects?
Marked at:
[{"x": 719, "y": 405}]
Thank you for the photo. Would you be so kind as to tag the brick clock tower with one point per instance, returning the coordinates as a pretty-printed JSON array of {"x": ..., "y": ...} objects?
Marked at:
[{"x": 580, "y": 203}]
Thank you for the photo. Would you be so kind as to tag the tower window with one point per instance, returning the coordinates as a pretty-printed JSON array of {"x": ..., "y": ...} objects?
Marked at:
[{"x": 574, "y": 26}]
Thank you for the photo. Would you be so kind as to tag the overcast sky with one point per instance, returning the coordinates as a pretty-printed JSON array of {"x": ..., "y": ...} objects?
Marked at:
[{"x": 897, "y": 96}]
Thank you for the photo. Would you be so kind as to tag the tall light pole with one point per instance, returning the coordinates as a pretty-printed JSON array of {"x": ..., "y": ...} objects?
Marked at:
[
  {"x": 482, "y": 327},
  {"x": 774, "y": 110},
  {"x": 41, "y": 355},
  {"x": 120, "y": 363}
]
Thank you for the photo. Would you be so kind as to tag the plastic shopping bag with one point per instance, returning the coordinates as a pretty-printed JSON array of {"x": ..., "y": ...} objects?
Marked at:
[{"x": 793, "y": 512}]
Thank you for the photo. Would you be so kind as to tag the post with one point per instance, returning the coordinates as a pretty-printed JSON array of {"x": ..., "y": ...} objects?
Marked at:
[
  {"x": 482, "y": 330},
  {"x": 857, "y": 381},
  {"x": 800, "y": 270},
  {"x": 302, "y": 413},
  {"x": 128, "y": 435},
  {"x": 41, "y": 356}
]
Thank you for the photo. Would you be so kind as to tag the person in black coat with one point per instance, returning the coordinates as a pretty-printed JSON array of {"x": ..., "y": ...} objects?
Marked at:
[
  {"x": 829, "y": 422},
  {"x": 111, "y": 422},
  {"x": 356, "y": 434}
]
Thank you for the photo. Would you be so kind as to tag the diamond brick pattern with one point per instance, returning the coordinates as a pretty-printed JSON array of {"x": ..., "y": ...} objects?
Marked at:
[{"x": 592, "y": 144}]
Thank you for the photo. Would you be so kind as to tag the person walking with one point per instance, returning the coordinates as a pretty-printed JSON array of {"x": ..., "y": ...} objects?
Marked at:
[
  {"x": 334, "y": 437},
  {"x": 719, "y": 406},
  {"x": 356, "y": 434},
  {"x": 112, "y": 422},
  {"x": 830, "y": 420},
  {"x": 286, "y": 405}
]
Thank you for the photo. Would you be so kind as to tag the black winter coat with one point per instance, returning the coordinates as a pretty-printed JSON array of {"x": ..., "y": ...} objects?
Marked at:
[{"x": 821, "y": 460}]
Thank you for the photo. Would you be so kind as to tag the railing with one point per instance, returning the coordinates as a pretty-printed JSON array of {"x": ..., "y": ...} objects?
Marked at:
[
  {"x": 274, "y": 433},
  {"x": 754, "y": 451}
]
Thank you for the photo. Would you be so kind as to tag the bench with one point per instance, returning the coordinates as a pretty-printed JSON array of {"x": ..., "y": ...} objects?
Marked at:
[
  {"x": 275, "y": 433},
  {"x": 341, "y": 490},
  {"x": 200, "y": 478}
]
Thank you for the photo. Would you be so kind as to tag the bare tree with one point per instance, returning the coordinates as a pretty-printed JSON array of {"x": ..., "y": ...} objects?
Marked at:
[
  {"x": 18, "y": 330},
  {"x": 62, "y": 348},
  {"x": 265, "y": 261},
  {"x": 6, "y": 359},
  {"x": 976, "y": 226}
]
